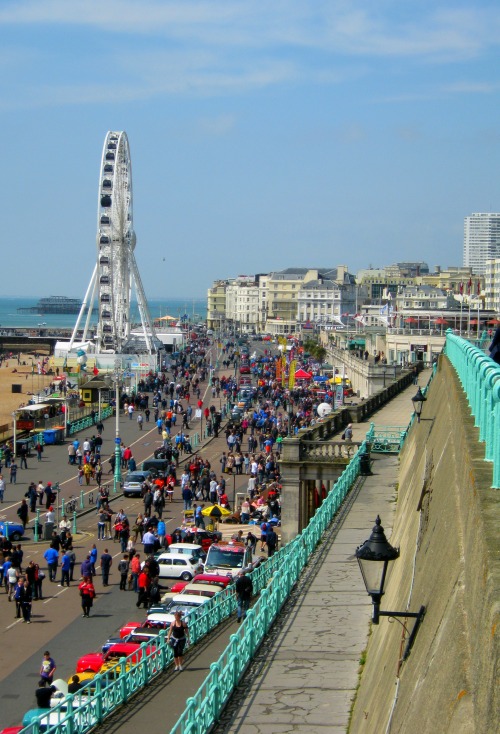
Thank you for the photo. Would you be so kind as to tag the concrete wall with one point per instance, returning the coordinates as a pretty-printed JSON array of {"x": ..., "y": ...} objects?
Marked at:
[{"x": 450, "y": 683}]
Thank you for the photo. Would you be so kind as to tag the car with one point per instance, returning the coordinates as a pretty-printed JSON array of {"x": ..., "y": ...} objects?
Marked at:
[
  {"x": 245, "y": 369},
  {"x": 236, "y": 414},
  {"x": 185, "y": 604},
  {"x": 188, "y": 549},
  {"x": 93, "y": 662},
  {"x": 177, "y": 566},
  {"x": 230, "y": 558},
  {"x": 157, "y": 467},
  {"x": 12, "y": 530},
  {"x": 132, "y": 486},
  {"x": 198, "y": 588},
  {"x": 203, "y": 537},
  {"x": 245, "y": 381}
]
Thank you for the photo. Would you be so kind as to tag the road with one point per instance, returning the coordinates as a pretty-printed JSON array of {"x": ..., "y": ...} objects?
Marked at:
[{"x": 57, "y": 623}]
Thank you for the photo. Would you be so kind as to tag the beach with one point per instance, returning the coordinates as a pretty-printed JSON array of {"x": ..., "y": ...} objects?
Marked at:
[{"x": 14, "y": 373}]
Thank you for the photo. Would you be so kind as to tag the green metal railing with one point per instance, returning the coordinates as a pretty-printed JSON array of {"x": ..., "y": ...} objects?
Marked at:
[
  {"x": 480, "y": 379},
  {"x": 83, "y": 423},
  {"x": 387, "y": 440}
]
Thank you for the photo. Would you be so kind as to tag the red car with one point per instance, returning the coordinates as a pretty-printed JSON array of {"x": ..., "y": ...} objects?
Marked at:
[
  {"x": 245, "y": 369},
  {"x": 94, "y": 661},
  {"x": 203, "y": 578}
]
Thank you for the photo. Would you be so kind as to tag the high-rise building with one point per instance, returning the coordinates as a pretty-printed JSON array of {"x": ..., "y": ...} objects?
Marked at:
[{"x": 481, "y": 240}]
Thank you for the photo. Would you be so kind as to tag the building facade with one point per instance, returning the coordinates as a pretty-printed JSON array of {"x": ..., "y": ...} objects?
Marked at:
[
  {"x": 481, "y": 240},
  {"x": 242, "y": 304}
]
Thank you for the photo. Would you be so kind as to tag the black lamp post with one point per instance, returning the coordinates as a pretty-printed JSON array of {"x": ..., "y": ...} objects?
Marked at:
[
  {"x": 374, "y": 555},
  {"x": 418, "y": 400}
]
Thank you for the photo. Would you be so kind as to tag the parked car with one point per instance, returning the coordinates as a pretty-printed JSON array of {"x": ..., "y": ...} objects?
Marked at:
[
  {"x": 179, "y": 603},
  {"x": 132, "y": 486},
  {"x": 198, "y": 588},
  {"x": 93, "y": 662},
  {"x": 188, "y": 549},
  {"x": 221, "y": 581},
  {"x": 177, "y": 566}
]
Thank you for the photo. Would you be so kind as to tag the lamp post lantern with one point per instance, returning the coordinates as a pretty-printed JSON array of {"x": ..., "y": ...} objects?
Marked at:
[
  {"x": 418, "y": 401},
  {"x": 374, "y": 556}
]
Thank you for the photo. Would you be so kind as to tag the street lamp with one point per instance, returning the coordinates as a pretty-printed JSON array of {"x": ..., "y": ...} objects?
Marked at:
[
  {"x": 117, "y": 375},
  {"x": 374, "y": 556},
  {"x": 418, "y": 400}
]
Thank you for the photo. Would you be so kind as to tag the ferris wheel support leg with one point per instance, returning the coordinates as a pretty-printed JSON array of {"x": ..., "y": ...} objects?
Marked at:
[
  {"x": 83, "y": 306},
  {"x": 147, "y": 324},
  {"x": 89, "y": 310}
]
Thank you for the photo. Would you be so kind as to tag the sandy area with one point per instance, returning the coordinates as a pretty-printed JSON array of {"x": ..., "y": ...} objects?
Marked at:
[{"x": 22, "y": 376}]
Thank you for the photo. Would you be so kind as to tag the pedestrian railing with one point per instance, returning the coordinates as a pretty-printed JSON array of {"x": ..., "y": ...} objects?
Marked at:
[
  {"x": 386, "y": 440},
  {"x": 83, "y": 423},
  {"x": 480, "y": 379}
]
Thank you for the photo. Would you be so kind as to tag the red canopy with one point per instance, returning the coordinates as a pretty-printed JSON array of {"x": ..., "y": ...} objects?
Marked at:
[
  {"x": 410, "y": 320},
  {"x": 440, "y": 320},
  {"x": 302, "y": 375}
]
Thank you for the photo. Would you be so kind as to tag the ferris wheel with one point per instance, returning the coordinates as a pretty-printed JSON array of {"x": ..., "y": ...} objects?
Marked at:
[{"x": 116, "y": 273}]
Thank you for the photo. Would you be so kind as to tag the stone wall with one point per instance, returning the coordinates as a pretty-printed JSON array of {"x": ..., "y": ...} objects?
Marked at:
[{"x": 446, "y": 525}]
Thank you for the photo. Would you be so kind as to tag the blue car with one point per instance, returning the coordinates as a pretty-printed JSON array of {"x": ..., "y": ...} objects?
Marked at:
[{"x": 12, "y": 530}]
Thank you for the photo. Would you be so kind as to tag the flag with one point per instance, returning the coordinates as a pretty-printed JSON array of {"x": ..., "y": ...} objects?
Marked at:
[
  {"x": 469, "y": 286},
  {"x": 360, "y": 317},
  {"x": 95, "y": 370},
  {"x": 478, "y": 287},
  {"x": 461, "y": 287}
]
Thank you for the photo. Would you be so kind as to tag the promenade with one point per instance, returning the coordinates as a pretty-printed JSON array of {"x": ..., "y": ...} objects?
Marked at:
[
  {"x": 319, "y": 637},
  {"x": 305, "y": 675}
]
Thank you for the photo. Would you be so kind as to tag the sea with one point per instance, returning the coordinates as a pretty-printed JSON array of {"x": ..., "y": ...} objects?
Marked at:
[{"x": 195, "y": 309}]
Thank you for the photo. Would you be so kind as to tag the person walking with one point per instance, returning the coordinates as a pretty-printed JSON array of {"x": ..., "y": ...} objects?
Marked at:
[
  {"x": 26, "y": 598},
  {"x": 23, "y": 513},
  {"x": 47, "y": 669},
  {"x": 87, "y": 593},
  {"x": 244, "y": 591},
  {"x": 178, "y": 637},
  {"x": 139, "y": 421},
  {"x": 51, "y": 555},
  {"x": 2, "y": 488},
  {"x": 65, "y": 568},
  {"x": 13, "y": 473}
]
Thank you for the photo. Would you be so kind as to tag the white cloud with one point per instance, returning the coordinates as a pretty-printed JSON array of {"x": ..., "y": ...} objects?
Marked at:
[{"x": 335, "y": 27}]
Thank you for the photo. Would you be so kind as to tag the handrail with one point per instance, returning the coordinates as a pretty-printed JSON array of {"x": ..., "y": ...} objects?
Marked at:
[{"x": 480, "y": 378}]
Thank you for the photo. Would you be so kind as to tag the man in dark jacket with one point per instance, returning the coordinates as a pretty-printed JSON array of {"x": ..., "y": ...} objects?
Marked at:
[{"x": 244, "y": 591}]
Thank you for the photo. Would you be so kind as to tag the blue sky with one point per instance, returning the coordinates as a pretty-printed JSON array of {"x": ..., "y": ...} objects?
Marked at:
[{"x": 263, "y": 134}]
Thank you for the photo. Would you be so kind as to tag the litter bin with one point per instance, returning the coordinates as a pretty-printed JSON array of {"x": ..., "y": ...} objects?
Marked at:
[
  {"x": 49, "y": 436},
  {"x": 48, "y": 529},
  {"x": 364, "y": 465}
]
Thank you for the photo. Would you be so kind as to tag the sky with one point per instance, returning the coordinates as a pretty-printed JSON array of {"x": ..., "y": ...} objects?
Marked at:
[{"x": 263, "y": 134}]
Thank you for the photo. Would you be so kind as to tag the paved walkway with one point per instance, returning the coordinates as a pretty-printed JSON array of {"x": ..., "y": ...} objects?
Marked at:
[{"x": 305, "y": 676}]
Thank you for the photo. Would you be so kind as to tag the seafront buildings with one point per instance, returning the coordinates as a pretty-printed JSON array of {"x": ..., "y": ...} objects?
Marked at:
[{"x": 401, "y": 311}]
